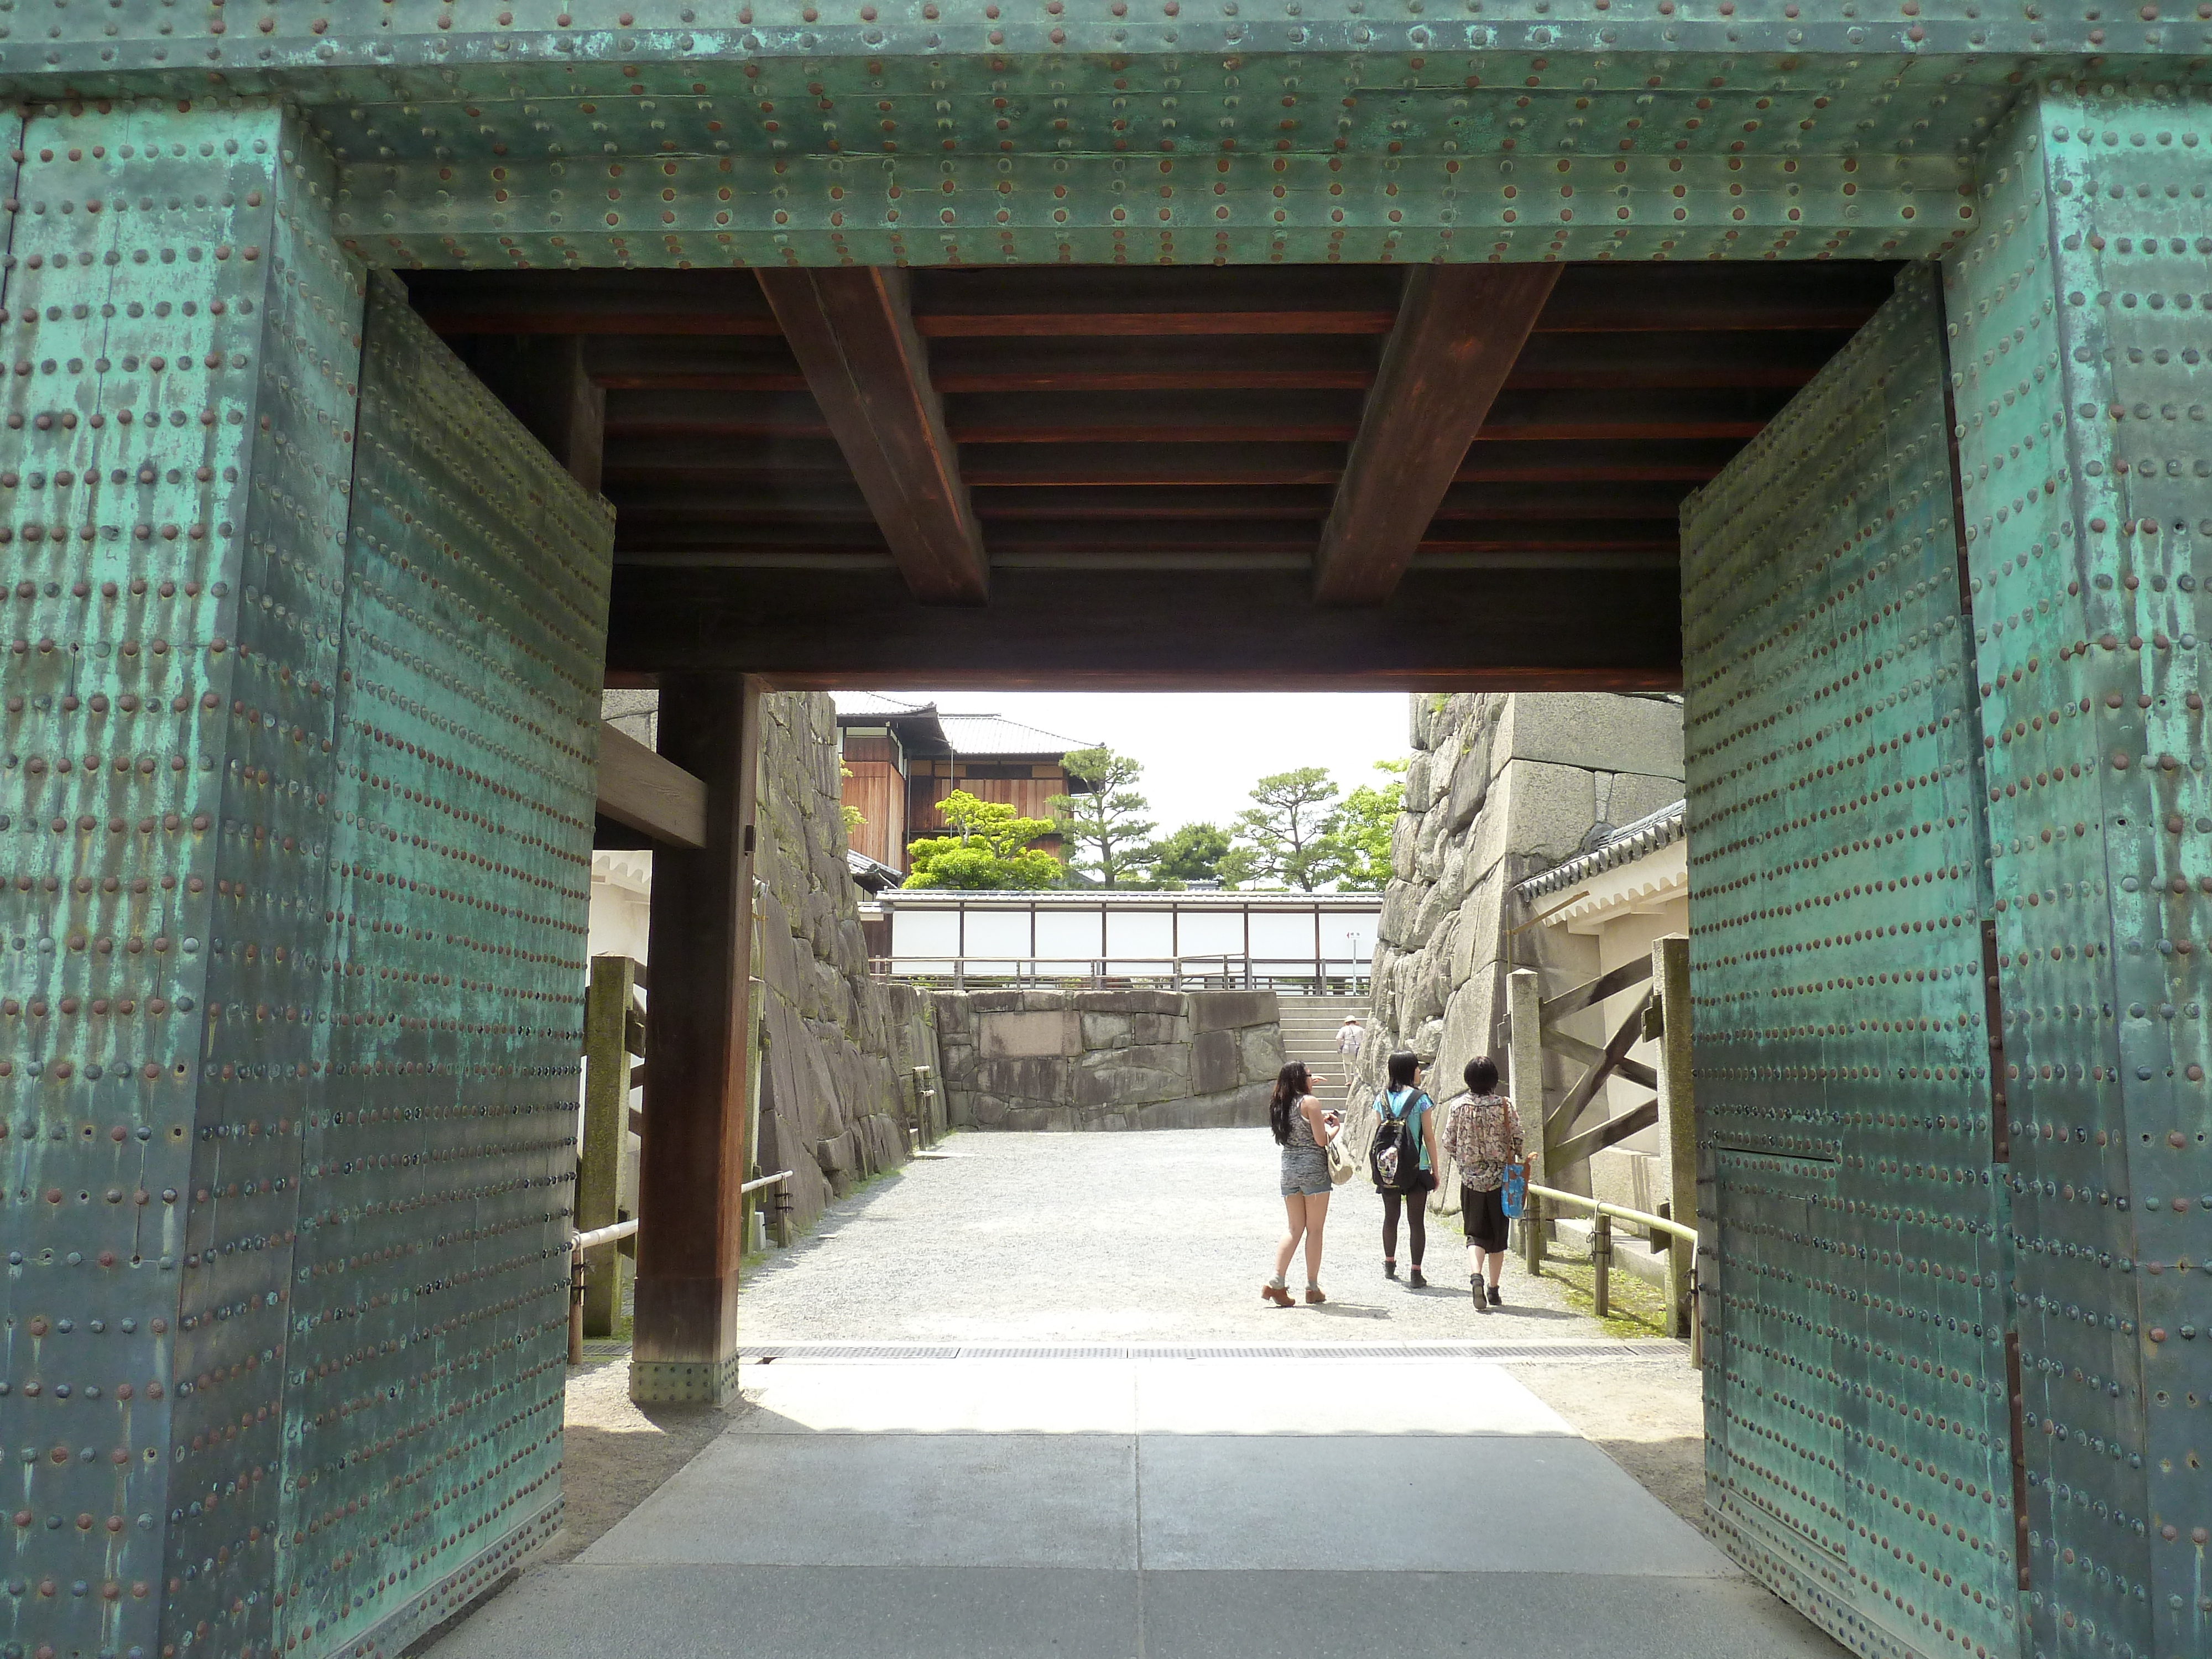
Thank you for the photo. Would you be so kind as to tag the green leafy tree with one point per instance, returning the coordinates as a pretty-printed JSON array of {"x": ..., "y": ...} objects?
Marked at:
[
  {"x": 989, "y": 847},
  {"x": 1197, "y": 852},
  {"x": 1360, "y": 846},
  {"x": 1287, "y": 835},
  {"x": 1106, "y": 822}
]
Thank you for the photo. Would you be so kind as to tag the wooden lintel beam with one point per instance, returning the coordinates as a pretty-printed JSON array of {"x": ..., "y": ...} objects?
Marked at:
[
  {"x": 652, "y": 795},
  {"x": 1113, "y": 628},
  {"x": 852, "y": 330},
  {"x": 1459, "y": 330}
]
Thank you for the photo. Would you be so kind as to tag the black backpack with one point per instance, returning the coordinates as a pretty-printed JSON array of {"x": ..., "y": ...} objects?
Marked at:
[{"x": 1395, "y": 1156}]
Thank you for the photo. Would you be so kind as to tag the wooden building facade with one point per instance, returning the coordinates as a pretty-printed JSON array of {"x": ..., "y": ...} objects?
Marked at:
[{"x": 902, "y": 758}]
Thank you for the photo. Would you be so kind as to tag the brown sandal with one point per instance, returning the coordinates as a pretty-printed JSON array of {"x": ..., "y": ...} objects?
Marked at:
[
  {"x": 1277, "y": 1295},
  {"x": 1313, "y": 1295}
]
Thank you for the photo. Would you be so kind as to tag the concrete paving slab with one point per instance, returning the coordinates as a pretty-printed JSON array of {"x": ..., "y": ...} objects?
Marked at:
[
  {"x": 975, "y": 1396},
  {"x": 1360, "y": 1397},
  {"x": 582, "y": 1612},
  {"x": 1554, "y": 1615},
  {"x": 1478, "y": 1503},
  {"x": 894, "y": 1500}
]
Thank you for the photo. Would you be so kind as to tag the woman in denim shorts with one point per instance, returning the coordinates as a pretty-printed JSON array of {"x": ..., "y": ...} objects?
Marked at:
[{"x": 1302, "y": 1128}]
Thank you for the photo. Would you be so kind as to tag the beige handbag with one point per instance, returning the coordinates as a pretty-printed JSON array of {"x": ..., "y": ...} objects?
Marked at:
[{"x": 1345, "y": 1153}]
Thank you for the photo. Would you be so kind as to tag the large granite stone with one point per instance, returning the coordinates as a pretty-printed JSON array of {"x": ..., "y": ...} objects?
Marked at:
[
  {"x": 1215, "y": 1011},
  {"x": 1037, "y": 1077},
  {"x": 1127, "y": 1085},
  {"x": 1030, "y": 1032},
  {"x": 1215, "y": 1063},
  {"x": 1125, "y": 1002}
]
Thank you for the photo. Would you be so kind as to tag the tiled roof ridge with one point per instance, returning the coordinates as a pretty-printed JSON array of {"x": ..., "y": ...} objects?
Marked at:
[{"x": 1631, "y": 841}]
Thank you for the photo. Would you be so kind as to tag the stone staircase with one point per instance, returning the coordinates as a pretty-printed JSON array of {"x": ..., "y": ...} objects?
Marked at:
[{"x": 1309, "y": 1028}]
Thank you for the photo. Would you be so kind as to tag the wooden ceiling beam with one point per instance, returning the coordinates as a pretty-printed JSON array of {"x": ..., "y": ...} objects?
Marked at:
[
  {"x": 1125, "y": 464},
  {"x": 1058, "y": 325},
  {"x": 1460, "y": 329},
  {"x": 1110, "y": 628},
  {"x": 852, "y": 330},
  {"x": 689, "y": 456},
  {"x": 1153, "y": 465}
]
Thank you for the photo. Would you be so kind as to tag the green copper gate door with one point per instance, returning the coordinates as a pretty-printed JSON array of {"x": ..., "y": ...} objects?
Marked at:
[{"x": 1858, "y": 1421}]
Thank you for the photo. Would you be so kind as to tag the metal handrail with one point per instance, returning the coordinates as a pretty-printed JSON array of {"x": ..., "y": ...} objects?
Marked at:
[
  {"x": 759, "y": 1181},
  {"x": 1658, "y": 1223},
  {"x": 599, "y": 1236},
  {"x": 1602, "y": 1219}
]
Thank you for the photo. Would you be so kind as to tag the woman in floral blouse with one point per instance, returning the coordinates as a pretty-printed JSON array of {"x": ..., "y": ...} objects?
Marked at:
[{"x": 1483, "y": 1135}]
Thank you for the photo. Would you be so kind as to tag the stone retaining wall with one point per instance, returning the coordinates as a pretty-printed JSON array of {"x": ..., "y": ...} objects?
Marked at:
[
  {"x": 1107, "y": 1060},
  {"x": 837, "y": 1080}
]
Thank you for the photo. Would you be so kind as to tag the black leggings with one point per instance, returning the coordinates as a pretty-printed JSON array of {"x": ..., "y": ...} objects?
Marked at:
[{"x": 1416, "y": 1223}]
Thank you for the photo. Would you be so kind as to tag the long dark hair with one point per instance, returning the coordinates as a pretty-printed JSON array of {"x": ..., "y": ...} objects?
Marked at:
[
  {"x": 1292, "y": 1084},
  {"x": 1403, "y": 1065}
]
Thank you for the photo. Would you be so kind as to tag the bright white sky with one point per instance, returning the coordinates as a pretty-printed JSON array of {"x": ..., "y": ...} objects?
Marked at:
[{"x": 1202, "y": 751}]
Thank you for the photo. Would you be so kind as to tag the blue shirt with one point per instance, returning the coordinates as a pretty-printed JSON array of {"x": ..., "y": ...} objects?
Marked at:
[{"x": 1396, "y": 1101}]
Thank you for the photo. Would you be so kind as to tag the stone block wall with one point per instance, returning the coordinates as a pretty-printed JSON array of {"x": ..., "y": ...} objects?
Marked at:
[
  {"x": 1107, "y": 1060},
  {"x": 837, "y": 1080},
  {"x": 837, "y": 1086},
  {"x": 1501, "y": 786}
]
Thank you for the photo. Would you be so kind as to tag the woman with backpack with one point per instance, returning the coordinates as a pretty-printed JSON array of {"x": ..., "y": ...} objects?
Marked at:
[
  {"x": 1302, "y": 1128},
  {"x": 1403, "y": 1161},
  {"x": 1483, "y": 1135}
]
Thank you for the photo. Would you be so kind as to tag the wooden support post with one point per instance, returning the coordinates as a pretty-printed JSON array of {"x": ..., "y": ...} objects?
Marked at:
[
  {"x": 1678, "y": 1125},
  {"x": 685, "y": 1347},
  {"x": 1524, "y": 999},
  {"x": 602, "y": 1173}
]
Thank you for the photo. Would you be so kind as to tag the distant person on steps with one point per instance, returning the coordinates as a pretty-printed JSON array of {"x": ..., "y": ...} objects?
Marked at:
[
  {"x": 1302, "y": 1126},
  {"x": 1483, "y": 1135},
  {"x": 1349, "y": 1036}
]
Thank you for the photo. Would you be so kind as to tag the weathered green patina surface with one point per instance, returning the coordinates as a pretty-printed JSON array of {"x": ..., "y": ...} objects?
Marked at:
[
  {"x": 1954, "y": 1175},
  {"x": 1857, "y": 1399},
  {"x": 2084, "y": 323},
  {"x": 297, "y": 829},
  {"x": 305, "y": 645},
  {"x": 491, "y": 133}
]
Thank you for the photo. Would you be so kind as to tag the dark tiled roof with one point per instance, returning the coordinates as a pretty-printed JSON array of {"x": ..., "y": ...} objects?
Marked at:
[{"x": 1629, "y": 842}]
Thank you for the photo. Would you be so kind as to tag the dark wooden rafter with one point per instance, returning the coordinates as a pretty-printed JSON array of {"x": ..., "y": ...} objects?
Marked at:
[
  {"x": 853, "y": 333},
  {"x": 1139, "y": 436},
  {"x": 1459, "y": 331}
]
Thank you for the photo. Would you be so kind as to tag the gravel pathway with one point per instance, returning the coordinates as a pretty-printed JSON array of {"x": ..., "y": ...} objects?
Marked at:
[{"x": 1162, "y": 1235}]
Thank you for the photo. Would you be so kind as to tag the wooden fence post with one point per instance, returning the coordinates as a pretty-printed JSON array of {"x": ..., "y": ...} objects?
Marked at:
[
  {"x": 1678, "y": 1125},
  {"x": 1524, "y": 999},
  {"x": 602, "y": 1175}
]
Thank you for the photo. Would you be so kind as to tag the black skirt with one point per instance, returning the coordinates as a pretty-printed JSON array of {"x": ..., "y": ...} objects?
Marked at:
[{"x": 1485, "y": 1216}]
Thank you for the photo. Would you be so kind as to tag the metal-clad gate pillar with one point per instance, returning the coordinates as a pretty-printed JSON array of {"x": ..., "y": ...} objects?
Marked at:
[
  {"x": 2083, "y": 359},
  {"x": 302, "y": 693},
  {"x": 1951, "y": 877}
]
